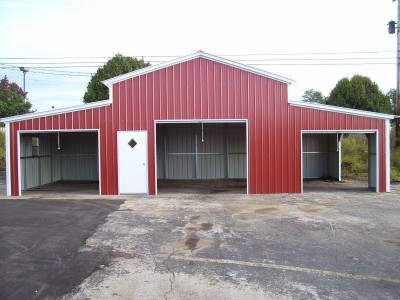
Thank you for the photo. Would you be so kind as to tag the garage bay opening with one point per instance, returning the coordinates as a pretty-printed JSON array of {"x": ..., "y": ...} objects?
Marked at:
[
  {"x": 201, "y": 157},
  {"x": 337, "y": 161},
  {"x": 59, "y": 162}
]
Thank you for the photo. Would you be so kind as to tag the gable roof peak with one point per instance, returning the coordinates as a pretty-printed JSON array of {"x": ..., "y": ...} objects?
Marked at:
[{"x": 195, "y": 55}]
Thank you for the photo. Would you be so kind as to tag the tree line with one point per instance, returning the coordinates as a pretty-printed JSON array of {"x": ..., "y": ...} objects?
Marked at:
[{"x": 358, "y": 92}]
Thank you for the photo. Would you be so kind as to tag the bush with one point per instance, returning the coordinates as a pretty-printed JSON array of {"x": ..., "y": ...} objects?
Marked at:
[
  {"x": 355, "y": 157},
  {"x": 394, "y": 162}
]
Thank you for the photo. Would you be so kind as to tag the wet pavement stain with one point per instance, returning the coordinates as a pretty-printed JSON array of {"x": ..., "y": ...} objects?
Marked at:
[
  {"x": 215, "y": 191},
  {"x": 206, "y": 226},
  {"x": 191, "y": 242},
  {"x": 266, "y": 210},
  {"x": 394, "y": 242},
  {"x": 200, "y": 227}
]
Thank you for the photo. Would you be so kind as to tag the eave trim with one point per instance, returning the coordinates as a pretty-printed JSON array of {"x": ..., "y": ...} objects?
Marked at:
[
  {"x": 56, "y": 111},
  {"x": 338, "y": 109}
]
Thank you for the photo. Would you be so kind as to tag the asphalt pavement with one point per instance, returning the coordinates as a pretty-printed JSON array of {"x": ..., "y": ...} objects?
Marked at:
[
  {"x": 316, "y": 245},
  {"x": 39, "y": 243}
]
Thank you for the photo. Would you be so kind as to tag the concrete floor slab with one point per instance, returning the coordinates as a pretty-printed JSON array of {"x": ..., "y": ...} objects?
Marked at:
[
  {"x": 202, "y": 186},
  {"x": 225, "y": 246}
]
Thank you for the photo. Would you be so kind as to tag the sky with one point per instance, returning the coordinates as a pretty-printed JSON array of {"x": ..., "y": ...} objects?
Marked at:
[{"x": 314, "y": 42}]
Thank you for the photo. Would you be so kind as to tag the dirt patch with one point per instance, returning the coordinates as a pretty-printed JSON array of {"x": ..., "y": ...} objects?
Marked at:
[
  {"x": 329, "y": 202},
  {"x": 189, "y": 245},
  {"x": 200, "y": 227},
  {"x": 206, "y": 226},
  {"x": 309, "y": 208},
  {"x": 215, "y": 191},
  {"x": 394, "y": 242},
  {"x": 194, "y": 218},
  {"x": 266, "y": 210}
]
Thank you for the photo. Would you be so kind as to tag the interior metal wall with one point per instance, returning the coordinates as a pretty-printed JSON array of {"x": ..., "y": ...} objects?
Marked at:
[
  {"x": 193, "y": 151},
  {"x": 321, "y": 156},
  {"x": 79, "y": 156},
  {"x": 73, "y": 156},
  {"x": 36, "y": 170}
]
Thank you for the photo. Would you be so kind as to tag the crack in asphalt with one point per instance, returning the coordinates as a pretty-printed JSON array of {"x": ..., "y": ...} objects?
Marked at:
[{"x": 171, "y": 279}]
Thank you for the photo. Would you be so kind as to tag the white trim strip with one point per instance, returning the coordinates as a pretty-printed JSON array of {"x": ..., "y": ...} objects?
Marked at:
[
  {"x": 198, "y": 54},
  {"x": 340, "y": 159},
  {"x": 59, "y": 130},
  {"x": 19, "y": 162},
  {"x": 301, "y": 161},
  {"x": 340, "y": 131},
  {"x": 195, "y": 121},
  {"x": 155, "y": 160},
  {"x": 99, "y": 159},
  {"x": 247, "y": 159},
  {"x": 339, "y": 109},
  {"x": 377, "y": 161},
  {"x": 56, "y": 111},
  {"x": 8, "y": 159},
  {"x": 387, "y": 154}
]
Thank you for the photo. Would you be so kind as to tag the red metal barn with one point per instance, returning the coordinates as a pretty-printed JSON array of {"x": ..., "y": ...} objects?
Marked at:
[{"x": 196, "y": 117}]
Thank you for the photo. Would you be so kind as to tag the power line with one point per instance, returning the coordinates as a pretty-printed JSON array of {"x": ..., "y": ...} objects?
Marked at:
[
  {"x": 321, "y": 64},
  {"x": 172, "y": 56},
  {"x": 73, "y": 64},
  {"x": 46, "y": 71},
  {"x": 310, "y": 53},
  {"x": 53, "y": 67}
]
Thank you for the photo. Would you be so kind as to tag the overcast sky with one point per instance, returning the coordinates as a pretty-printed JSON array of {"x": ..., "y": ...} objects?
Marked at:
[{"x": 314, "y": 42}]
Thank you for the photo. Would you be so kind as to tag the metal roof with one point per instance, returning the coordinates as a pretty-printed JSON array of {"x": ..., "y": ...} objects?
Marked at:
[
  {"x": 199, "y": 54},
  {"x": 344, "y": 110},
  {"x": 56, "y": 111}
]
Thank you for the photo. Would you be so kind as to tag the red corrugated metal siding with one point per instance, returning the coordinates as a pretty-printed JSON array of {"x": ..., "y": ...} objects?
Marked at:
[
  {"x": 309, "y": 119},
  {"x": 203, "y": 89},
  {"x": 95, "y": 118}
]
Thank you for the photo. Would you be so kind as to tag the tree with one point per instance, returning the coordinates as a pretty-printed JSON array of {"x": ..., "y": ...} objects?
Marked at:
[
  {"x": 12, "y": 99},
  {"x": 117, "y": 65},
  {"x": 392, "y": 96},
  {"x": 312, "y": 95},
  {"x": 359, "y": 92}
]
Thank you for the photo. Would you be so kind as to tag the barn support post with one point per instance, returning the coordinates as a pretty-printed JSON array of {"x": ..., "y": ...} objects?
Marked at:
[
  {"x": 387, "y": 154},
  {"x": 8, "y": 159}
]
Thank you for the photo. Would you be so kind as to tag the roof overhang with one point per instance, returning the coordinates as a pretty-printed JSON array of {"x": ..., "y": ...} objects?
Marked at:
[
  {"x": 199, "y": 54},
  {"x": 56, "y": 111},
  {"x": 343, "y": 110}
]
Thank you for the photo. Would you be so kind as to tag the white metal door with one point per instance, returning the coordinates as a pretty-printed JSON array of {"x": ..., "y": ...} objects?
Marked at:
[{"x": 132, "y": 162}]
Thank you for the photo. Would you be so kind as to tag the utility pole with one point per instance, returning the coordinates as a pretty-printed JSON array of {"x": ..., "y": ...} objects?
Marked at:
[
  {"x": 24, "y": 70},
  {"x": 392, "y": 29},
  {"x": 397, "y": 121}
]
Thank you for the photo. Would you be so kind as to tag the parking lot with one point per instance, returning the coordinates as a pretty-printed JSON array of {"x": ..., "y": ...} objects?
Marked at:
[{"x": 317, "y": 245}]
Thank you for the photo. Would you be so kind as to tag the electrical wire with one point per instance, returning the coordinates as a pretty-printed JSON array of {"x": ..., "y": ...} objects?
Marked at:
[
  {"x": 55, "y": 65},
  {"x": 243, "y": 54}
]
